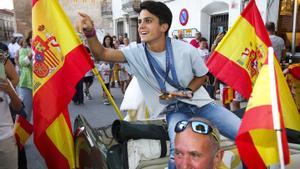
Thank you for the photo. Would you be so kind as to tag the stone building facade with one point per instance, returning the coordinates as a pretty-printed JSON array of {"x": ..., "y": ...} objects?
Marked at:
[
  {"x": 22, "y": 10},
  {"x": 99, "y": 10},
  {"x": 7, "y": 24}
]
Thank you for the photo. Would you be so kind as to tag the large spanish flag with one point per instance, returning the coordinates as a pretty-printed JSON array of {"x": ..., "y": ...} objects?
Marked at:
[
  {"x": 238, "y": 58},
  {"x": 60, "y": 61},
  {"x": 256, "y": 138}
]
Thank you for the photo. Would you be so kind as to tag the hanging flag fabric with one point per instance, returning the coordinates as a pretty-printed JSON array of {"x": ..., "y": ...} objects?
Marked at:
[
  {"x": 256, "y": 138},
  {"x": 294, "y": 69},
  {"x": 227, "y": 95},
  {"x": 239, "y": 56},
  {"x": 23, "y": 130},
  {"x": 60, "y": 61},
  {"x": 293, "y": 79}
]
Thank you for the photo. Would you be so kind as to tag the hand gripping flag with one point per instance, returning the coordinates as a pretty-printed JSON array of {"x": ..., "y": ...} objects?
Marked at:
[
  {"x": 239, "y": 56},
  {"x": 23, "y": 130},
  {"x": 60, "y": 61},
  {"x": 256, "y": 138}
]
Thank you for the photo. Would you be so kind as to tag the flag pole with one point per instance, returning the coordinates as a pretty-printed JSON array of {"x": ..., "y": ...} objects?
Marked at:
[
  {"x": 275, "y": 114},
  {"x": 96, "y": 73}
]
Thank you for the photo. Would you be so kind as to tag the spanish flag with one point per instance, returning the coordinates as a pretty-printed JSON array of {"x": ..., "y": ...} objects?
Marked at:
[
  {"x": 256, "y": 139},
  {"x": 60, "y": 61},
  {"x": 238, "y": 58},
  {"x": 227, "y": 95},
  {"x": 23, "y": 130}
]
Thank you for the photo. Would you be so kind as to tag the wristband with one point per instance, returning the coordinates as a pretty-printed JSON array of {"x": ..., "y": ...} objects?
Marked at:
[
  {"x": 89, "y": 34},
  {"x": 189, "y": 89}
]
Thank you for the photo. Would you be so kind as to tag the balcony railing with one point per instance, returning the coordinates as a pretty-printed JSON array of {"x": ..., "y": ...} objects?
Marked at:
[
  {"x": 106, "y": 9},
  {"x": 130, "y": 5}
]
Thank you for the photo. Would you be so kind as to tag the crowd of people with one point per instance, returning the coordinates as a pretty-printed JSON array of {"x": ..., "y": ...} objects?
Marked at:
[
  {"x": 112, "y": 74},
  {"x": 15, "y": 97}
]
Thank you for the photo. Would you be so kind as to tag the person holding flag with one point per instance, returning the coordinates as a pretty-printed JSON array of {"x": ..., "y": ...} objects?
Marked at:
[
  {"x": 170, "y": 72},
  {"x": 8, "y": 98}
]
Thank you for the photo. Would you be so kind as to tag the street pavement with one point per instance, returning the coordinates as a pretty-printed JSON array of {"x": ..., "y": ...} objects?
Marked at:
[{"x": 96, "y": 113}]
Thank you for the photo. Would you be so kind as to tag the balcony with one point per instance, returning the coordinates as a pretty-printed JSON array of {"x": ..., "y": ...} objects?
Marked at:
[
  {"x": 129, "y": 6},
  {"x": 106, "y": 10}
]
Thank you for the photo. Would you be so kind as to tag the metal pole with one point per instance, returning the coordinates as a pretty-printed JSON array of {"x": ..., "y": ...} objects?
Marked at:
[
  {"x": 274, "y": 103},
  {"x": 294, "y": 27},
  {"x": 95, "y": 71}
]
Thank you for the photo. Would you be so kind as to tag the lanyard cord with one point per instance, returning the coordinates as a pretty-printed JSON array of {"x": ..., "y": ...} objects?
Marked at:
[{"x": 155, "y": 68}]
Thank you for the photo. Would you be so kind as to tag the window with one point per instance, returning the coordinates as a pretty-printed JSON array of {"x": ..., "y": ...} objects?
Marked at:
[{"x": 286, "y": 23}]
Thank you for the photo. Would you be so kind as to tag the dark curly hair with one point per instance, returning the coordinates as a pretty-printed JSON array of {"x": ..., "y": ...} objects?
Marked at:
[
  {"x": 111, "y": 41},
  {"x": 158, "y": 9}
]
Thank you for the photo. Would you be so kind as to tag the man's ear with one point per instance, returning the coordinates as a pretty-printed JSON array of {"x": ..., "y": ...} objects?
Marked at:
[
  {"x": 218, "y": 158},
  {"x": 164, "y": 27}
]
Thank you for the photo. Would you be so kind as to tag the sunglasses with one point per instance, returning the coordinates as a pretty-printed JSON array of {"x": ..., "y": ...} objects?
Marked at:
[{"x": 199, "y": 127}]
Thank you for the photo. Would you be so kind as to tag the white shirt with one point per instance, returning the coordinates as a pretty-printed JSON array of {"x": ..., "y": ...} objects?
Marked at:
[
  {"x": 188, "y": 64},
  {"x": 12, "y": 49},
  {"x": 104, "y": 69},
  {"x": 6, "y": 123},
  {"x": 278, "y": 45},
  {"x": 204, "y": 53}
]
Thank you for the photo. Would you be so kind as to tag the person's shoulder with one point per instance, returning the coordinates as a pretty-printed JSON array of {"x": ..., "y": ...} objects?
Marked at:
[{"x": 180, "y": 43}]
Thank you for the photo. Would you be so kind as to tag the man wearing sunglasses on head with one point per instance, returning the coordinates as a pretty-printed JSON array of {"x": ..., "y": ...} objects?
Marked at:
[{"x": 197, "y": 145}]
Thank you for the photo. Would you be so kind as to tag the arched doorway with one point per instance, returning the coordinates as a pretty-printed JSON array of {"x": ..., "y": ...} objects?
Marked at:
[{"x": 216, "y": 14}]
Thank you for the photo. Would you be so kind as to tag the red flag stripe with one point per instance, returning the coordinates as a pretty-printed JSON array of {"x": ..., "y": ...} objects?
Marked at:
[
  {"x": 295, "y": 71},
  {"x": 48, "y": 150},
  {"x": 244, "y": 142},
  {"x": 25, "y": 125},
  {"x": 221, "y": 62},
  {"x": 260, "y": 114},
  {"x": 254, "y": 18}
]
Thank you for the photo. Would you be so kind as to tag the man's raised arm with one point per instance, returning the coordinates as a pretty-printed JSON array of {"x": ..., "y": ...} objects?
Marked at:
[{"x": 86, "y": 26}]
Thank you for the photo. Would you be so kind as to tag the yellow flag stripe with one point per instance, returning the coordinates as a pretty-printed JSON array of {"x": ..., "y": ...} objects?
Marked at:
[
  {"x": 265, "y": 143},
  {"x": 263, "y": 91},
  {"x": 23, "y": 135},
  {"x": 58, "y": 130}
]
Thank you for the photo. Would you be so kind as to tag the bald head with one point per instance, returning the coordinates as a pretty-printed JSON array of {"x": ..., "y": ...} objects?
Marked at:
[{"x": 197, "y": 151}]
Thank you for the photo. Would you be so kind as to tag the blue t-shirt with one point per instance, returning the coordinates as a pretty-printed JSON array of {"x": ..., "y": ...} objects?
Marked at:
[{"x": 188, "y": 63}]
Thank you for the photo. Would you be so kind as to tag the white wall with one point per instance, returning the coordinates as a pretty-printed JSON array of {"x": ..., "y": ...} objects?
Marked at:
[
  {"x": 117, "y": 13},
  {"x": 192, "y": 7},
  {"x": 200, "y": 11}
]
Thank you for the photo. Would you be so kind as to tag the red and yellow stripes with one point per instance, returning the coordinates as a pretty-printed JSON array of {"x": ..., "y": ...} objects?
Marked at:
[
  {"x": 62, "y": 61},
  {"x": 240, "y": 55},
  {"x": 256, "y": 135},
  {"x": 23, "y": 130}
]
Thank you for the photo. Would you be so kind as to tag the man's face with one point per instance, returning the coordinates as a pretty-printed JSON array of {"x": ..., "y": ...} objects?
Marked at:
[
  {"x": 203, "y": 45},
  {"x": 198, "y": 36},
  {"x": 149, "y": 28},
  {"x": 194, "y": 151}
]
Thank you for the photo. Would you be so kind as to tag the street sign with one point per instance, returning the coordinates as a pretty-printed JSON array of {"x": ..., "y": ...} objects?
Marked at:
[{"x": 183, "y": 17}]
